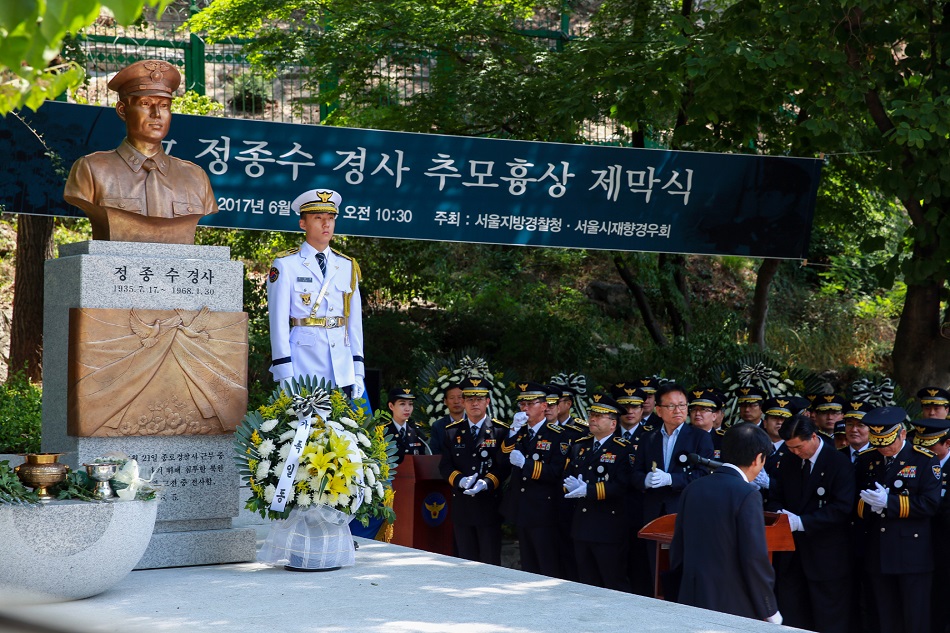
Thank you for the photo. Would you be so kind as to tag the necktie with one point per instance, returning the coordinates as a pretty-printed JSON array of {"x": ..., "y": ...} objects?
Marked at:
[
  {"x": 474, "y": 429},
  {"x": 596, "y": 445},
  {"x": 627, "y": 435},
  {"x": 152, "y": 194},
  {"x": 402, "y": 433},
  {"x": 806, "y": 470},
  {"x": 322, "y": 260},
  {"x": 530, "y": 434}
]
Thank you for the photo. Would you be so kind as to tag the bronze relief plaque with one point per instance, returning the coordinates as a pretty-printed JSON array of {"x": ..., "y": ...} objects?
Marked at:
[{"x": 156, "y": 372}]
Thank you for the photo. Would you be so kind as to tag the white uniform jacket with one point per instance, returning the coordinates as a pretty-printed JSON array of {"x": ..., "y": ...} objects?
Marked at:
[{"x": 293, "y": 289}]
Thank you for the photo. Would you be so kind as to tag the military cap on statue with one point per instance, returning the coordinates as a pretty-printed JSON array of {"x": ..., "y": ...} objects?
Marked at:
[
  {"x": 476, "y": 386},
  {"x": 317, "y": 201},
  {"x": 930, "y": 431},
  {"x": 934, "y": 396},
  {"x": 649, "y": 385},
  {"x": 150, "y": 77},
  {"x": 704, "y": 399},
  {"x": 602, "y": 403},
  {"x": 749, "y": 395},
  {"x": 884, "y": 425},
  {"x": 628, "y": 394},
  {"x": 778, "y": 407},
  {"x": 401, "y": 393},
  {"x": 531, "y": 391},
  {"x": 829, "y": 402}
]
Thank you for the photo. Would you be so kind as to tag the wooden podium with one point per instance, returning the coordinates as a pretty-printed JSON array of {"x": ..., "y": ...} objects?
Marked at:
[
  {"x": 422, "y": 504},
  {"x": 778, "y": 538}
]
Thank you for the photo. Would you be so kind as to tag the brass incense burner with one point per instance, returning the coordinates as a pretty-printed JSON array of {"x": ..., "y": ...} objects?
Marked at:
[{"x": 41, "y": 471}]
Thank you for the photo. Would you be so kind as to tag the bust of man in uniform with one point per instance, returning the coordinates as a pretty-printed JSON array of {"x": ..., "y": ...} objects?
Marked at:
[
  {"x": 313, "y": 301},
  {"x": 137, "y": 192}
]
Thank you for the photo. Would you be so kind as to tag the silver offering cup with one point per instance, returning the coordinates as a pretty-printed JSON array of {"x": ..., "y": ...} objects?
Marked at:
[{"x": 102, "y": 473}]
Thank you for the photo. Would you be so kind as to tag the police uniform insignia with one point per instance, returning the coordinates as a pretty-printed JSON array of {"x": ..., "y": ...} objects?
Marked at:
[
  {"x": 608, "y": 458},
  {"x": 715, "y": 454},
  {"x": 273, "y": 275},
  {"x": 565, "y": 446},
  {"x": 305, "y": 297},
  {"x": 908, "y": 471},
  {"x": 632, "y": 458},
  {"x": 936, "y": 470},
  {"x": 305, "y": 280},
  {"x": 489, "y": 443},
  {"x": 523, "y": 386},
  {"x": 932, "y": 392},
  {"x": 543, "y": 445}
]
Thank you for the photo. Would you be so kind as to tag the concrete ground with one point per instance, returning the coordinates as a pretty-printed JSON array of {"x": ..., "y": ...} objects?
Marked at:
[{"x": 391, "y": 589}]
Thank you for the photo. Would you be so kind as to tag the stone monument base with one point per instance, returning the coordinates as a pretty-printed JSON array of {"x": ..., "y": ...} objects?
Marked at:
[{"x": 196, "y": 474}]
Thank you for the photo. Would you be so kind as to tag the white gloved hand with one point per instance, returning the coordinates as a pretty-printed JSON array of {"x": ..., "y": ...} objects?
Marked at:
[
  {"x": 876, "y": 498},
  {"x": 467, "y": 482},
  {"x": 580, "y": 491},
  {"x": 658, "y": 479},
  {"x": 761, "y": 480},
  {"x": 519, "y": 421},
  {"x": 571, "y": 483},
  {"x": 516, "y": 458},
  {"x": 479, "y": 486},
  {"x": 359, "y": 388},
  {"x": 794, "y": 521},
  {"x": 775, "y": 618}
]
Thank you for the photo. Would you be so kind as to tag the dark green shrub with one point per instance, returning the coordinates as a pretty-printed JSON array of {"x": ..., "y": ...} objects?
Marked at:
[{"x": 20, "y": 415}]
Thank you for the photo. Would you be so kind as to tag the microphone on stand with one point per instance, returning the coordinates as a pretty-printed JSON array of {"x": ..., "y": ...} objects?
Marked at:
[{"x": 695, "y": 460}]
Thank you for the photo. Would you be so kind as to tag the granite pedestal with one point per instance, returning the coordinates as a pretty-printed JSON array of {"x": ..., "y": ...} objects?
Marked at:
[{"x": 196, "y": 472}]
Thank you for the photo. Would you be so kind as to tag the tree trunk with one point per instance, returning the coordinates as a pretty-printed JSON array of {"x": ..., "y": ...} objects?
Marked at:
[
  {"x": 921, "y": 350},
  {"x": 760, "y": 301},
  {"x": 675, "y": 292},
  {"x": 649, "y": 320},
  {"x": 34, "y": 245}
]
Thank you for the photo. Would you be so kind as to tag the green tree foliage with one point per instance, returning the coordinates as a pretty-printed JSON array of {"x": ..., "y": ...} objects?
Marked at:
[{"x": 31, "y": 38}]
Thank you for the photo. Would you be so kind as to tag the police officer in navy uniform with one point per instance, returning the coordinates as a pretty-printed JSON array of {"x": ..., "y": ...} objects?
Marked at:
[
  {"x": 934, "y": 403},
  {"x": 814, "y": 485},
  {"x": 933, "y": 434},
  {"x": 598, "y": 475},
  {"x": 899, "y": 493},
  {"x": 313, "y": 301},
  {"x": 474, "y": 466},
  {"x": 631, "y": 398},
  {"x": 402, "y": 428},
  {"x": 537, "y": 452},
  {"x": 703, "y": 406},
  {"x": 828, "y": 410},
  {"x": 775, "y": 412},
  {"x": 855, "y": 430},
  {"x": 649, "y": 385},
  {"x": 749, "y": 403},
  {"x": 560, "y": 400}
]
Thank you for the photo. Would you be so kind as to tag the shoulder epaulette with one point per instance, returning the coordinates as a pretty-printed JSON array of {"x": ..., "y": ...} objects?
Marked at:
[
  {"x": 924, "y": 451},
  {"x": 621, "y": 441},
  {"x": 646, "y": 428},
  {"x": 864, "y": 452},
  {"x": 292, "y": 251},
  {"x": 456, "y": 423},
  {"x": 555, "y": 428},
  {"x": 500, "y": 423},
  {"x": 586, "y": 437},
  {"x": 582, "y": 423},
  {"x": 356, "y": 267},
  {"x": 720, "y": 431}
]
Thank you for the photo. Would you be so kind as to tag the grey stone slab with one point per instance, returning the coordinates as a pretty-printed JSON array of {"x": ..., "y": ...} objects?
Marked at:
[
  {"x": 199, "y": 547},
  {"x": 196, "y": 472},
  {"x": 390, "y": 588}
]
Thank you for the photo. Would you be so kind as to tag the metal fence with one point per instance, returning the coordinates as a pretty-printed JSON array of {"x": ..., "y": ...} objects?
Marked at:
[{"x": 222, "y": 72}]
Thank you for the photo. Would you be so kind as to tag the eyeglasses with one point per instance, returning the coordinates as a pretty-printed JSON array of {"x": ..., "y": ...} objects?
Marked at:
[{"x": 674, "y": 407}]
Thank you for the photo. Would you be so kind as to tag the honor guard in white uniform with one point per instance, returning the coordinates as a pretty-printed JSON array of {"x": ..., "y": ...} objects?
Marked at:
[{"x": 313, "y": 297}]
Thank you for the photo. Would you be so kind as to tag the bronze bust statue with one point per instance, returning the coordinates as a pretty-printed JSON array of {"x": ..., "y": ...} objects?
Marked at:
[{"x": 137, "y": 192}]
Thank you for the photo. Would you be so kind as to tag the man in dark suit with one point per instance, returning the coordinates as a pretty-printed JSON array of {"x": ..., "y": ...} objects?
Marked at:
[
  {"x": 814, "y": 485},
  {"x": 474, "y": 466},
  {"x": 598, "y": 476},
  {"x": 657, "y": 471},
  {"x": 537, "y": 453},
  {"x": 401, "y": 401},
  {"x": 899, "y": 492},
  {"x": 735, "y": 576}
]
